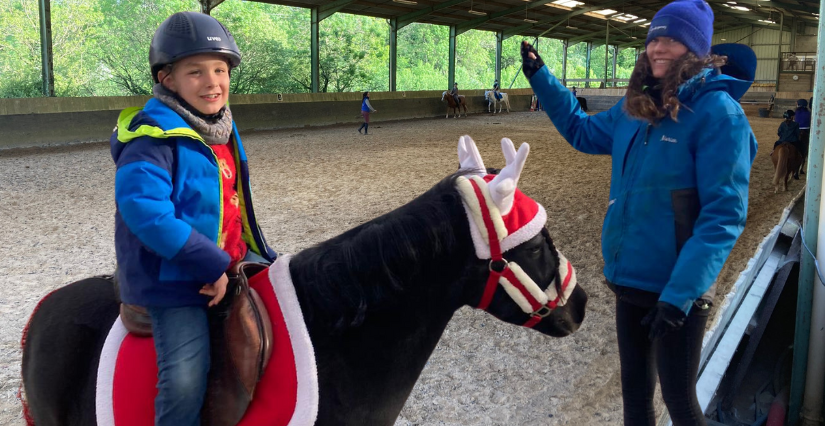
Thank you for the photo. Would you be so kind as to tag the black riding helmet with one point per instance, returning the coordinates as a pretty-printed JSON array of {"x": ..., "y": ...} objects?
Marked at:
[
  {"x": 187, "y": 34},
  {"x": 788, "y": 114}
]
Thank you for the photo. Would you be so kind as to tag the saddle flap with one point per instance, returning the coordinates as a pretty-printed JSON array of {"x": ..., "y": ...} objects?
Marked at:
[
  {"x": 241, "y": 344},
  {"x": 241, "y": 340},
  {"x": 136, "y": 320}
]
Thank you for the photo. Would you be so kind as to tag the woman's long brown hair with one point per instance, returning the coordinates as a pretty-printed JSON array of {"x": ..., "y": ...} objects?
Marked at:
[{"x": 641, "y": 104}]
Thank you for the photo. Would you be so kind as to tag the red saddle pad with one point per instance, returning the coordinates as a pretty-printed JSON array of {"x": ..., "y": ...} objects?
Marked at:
[{"x": 135, "y": 374}]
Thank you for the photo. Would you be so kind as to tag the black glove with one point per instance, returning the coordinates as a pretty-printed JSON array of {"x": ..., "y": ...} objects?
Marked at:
[
  {"x": 663, "y": 319},
  {"x": 530, "y": 66}
]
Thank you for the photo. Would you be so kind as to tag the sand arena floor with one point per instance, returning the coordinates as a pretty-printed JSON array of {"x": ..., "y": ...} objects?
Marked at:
[{"x": 312, "y": 184}]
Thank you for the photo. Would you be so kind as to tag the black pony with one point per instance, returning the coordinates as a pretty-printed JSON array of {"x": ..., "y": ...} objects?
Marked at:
[{"x": 376, "y": 300}]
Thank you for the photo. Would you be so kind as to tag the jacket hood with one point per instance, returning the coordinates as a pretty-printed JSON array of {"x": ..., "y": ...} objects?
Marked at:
[
  {"x": 155, "y": 120},
  {"x": 710, "y": 80}
]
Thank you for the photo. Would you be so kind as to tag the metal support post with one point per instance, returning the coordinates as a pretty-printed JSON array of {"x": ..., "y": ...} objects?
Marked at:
[
  {"x": 779, "y": 48},
  {"x": 807, "y": 326},
  {"x": 451, "y": 63},
  {"x": 587, "y": 64},
  {"x": 313, "y": 49},
  {"x": 499, "y": 40},
  {"x": 606, "y": 50},
  {"x": 565, "y": 46},
  {"x": 47, "y": 62},
  {"x": 393, "y": 52}
]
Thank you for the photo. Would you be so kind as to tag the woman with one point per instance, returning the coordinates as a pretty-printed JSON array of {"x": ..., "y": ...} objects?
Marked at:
[
  {"x": 803, "y": 117},
  {"x": 366, "y": 109},
  {"x": 682, "y": 151}
]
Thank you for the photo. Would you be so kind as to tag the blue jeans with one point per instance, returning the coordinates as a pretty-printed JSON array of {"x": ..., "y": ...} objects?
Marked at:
[{"x": 182, "y": 344}]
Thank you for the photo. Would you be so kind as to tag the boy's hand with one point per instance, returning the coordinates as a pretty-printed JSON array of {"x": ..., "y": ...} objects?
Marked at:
[
  {"x": 217, "y": 290},
  {"x": 530, "y": 59}
]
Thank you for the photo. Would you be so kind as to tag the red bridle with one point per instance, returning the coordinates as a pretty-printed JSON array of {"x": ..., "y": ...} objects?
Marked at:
[{"x": 512, "y": 274}]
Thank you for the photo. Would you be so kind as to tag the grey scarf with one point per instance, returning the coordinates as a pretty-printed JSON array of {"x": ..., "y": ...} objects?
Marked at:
[{"x": 214, "y": 130}]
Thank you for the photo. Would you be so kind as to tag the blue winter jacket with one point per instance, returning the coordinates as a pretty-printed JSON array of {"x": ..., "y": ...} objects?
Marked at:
[
  {"x": 678, "y": 190},
  {"x": 803, "y": 117},
  {"x": 169, "y": 208}
]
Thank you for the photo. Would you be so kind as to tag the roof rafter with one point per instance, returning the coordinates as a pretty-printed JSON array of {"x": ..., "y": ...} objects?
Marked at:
[
  {"x": 461, "y": 28},
  {"x": 411, "y": 17},
  {"x": 559, "y": 19},
  {"x": 600, "y": 33},
  {"x": 329, "y": 9}
]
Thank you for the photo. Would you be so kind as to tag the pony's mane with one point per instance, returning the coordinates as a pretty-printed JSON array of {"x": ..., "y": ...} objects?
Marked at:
[{"x": 364, "y": 266}]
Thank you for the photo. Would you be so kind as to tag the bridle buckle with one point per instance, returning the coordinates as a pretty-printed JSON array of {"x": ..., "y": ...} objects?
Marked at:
[
  {"x": 542, "y": 312},
  {"x": 498, "y": 266}
]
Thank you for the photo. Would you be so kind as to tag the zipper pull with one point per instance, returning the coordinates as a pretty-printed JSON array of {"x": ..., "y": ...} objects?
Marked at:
[{"x": 647, "y": 133}]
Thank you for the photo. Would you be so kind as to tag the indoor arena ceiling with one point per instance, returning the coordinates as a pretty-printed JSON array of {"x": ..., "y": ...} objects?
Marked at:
[{"x": 574, "y": 20}]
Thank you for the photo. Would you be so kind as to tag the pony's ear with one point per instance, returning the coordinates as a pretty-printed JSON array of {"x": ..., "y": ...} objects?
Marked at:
[
  {"x": 468, "y": 156},
  {"x": 503, "y": 186},
  {"x": 509, "y": 150}
]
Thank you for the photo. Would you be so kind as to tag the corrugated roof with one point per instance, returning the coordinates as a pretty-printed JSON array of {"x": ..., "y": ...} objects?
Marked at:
[{"x": 575, "y": 20}]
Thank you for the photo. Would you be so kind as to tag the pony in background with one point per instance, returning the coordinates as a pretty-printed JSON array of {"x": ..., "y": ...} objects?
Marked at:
[
  {"x": 452, "y": 105},
  {"x": 786, "y": 160},
  {"x": 491, "y": 100}
]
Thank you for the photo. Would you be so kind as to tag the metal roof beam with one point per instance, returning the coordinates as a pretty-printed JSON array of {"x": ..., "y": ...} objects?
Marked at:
[
  {"x": 411, "y": 17},
  {"x": 329, "y": 9},
  {"x": 599, "y": 34},
  {"x": 559, "y": 19},
  {"x": 469, "y": 25},
  {"x": 774, "y": 3}
]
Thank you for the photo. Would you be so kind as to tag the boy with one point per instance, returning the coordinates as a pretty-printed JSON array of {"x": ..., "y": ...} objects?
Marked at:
[{"x": 184, "y": 208}]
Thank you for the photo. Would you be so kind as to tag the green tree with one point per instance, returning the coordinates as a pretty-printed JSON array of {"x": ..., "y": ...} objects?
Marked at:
[{"x": 124, "y": 41}]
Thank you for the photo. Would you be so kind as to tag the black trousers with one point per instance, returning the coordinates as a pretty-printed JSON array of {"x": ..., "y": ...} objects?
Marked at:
[{"x": 673, "y": 357}]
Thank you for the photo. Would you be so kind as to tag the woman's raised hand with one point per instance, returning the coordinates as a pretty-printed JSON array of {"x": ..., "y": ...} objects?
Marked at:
[{"x": 530, "y": 60}]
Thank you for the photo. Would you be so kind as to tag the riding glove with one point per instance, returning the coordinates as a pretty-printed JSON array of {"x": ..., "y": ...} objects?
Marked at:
[
  {"x": 663, "y": 319},
  {"x": 530, "y": 66}
]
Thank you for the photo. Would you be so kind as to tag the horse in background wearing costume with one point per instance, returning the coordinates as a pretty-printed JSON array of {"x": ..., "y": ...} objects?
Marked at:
[
  {"x": 786, "y": 160},
  {"x": 373, "y": 301},
  {"x": 452, "y": 105}
]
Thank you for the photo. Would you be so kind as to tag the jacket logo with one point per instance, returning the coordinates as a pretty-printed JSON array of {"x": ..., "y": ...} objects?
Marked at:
[
  {"x": 213, "y": 38},
  {"x": 667, "y": 139}
]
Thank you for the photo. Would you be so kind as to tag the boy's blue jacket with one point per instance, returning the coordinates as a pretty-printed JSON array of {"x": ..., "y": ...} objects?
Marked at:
[
  {"x": 678, "y": 190},
  {"x": 169, "y": 208}
]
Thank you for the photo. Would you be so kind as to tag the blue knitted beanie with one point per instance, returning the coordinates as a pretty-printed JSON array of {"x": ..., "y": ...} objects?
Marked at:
[{"x": 688, "y": 21}]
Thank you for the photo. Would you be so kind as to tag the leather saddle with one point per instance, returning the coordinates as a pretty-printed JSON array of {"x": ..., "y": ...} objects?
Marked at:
[{"x": 241, "y": 343}]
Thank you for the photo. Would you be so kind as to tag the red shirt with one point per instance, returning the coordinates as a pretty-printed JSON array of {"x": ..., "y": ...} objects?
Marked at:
[{"x": 230, "y": 240}]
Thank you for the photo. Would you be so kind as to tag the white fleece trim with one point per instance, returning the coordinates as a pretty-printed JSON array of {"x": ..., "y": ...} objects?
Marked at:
[
  {"x": 551, "y": 289},
  {"x": 306, "y": 406},
  {"x": 104, "y": 406},
  {"x": 516, "y": 295},
  {"x": 479, "y": 232},
  {"x": 495, "y": 213},
  {"x": 473, "y": 208},
  {"x": 530, "y": 285},
  {"x": 526, "y": 232}
]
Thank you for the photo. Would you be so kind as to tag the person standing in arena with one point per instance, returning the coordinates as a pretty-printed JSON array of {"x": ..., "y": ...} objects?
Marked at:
[
  {"x": 803, "y": 118},
  {"x": 366, "y": 109},
  {"x": 682, "y": 151}
]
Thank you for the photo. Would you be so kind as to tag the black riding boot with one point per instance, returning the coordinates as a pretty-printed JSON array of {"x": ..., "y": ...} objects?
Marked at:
[
  {"x": 366, "y": 128},
  {"x": 362, "y": 126}
]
